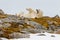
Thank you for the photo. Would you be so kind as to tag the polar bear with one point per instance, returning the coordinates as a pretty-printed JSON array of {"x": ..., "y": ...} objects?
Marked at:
[{"x": 31, "y": 13}]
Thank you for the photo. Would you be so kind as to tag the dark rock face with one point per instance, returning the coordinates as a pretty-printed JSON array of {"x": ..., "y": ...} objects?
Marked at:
[{"x": 52, "y": 27}]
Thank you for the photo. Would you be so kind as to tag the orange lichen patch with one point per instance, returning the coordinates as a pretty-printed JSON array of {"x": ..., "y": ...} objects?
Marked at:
[
  {"x": 14, "y": 24},
  {"x": 10, "y": 30},
  {"x": 27, "y": 26},
  {"x": 3, "y": 16},
  {"x": 56, "y": 21},
  {"x": 43, "y": 21},
  {"x": 45, "y": 24}
]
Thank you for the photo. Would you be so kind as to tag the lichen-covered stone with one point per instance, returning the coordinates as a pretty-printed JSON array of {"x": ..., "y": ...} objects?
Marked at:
[{"x": 18, "y": 35}]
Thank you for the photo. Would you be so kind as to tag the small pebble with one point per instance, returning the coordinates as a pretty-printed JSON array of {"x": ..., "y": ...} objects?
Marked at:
[
  {"x": 52, "y": 35},
  {"x": 41, "y": 35}
]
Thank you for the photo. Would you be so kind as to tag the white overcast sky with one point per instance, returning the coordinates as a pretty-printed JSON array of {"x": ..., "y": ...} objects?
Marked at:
[{"x": 49, "y": 7}]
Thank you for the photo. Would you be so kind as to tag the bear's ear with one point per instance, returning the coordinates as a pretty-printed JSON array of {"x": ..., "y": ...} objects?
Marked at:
[{"x": 37, "y": 11}]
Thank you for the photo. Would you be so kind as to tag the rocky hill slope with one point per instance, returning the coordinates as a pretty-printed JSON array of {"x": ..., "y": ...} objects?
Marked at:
[{"x": 12, "y": 26}]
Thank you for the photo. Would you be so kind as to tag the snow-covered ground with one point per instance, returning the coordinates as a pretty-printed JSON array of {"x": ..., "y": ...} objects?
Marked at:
[{"x": 36, "y": 37}]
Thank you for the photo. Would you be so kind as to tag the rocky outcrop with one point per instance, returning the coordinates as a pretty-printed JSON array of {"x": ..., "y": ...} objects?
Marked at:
[{"x": 12, "y": 26}]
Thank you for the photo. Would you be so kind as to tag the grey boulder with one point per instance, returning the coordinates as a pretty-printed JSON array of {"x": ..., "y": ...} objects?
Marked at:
[{"x": 19, "y": 35}]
